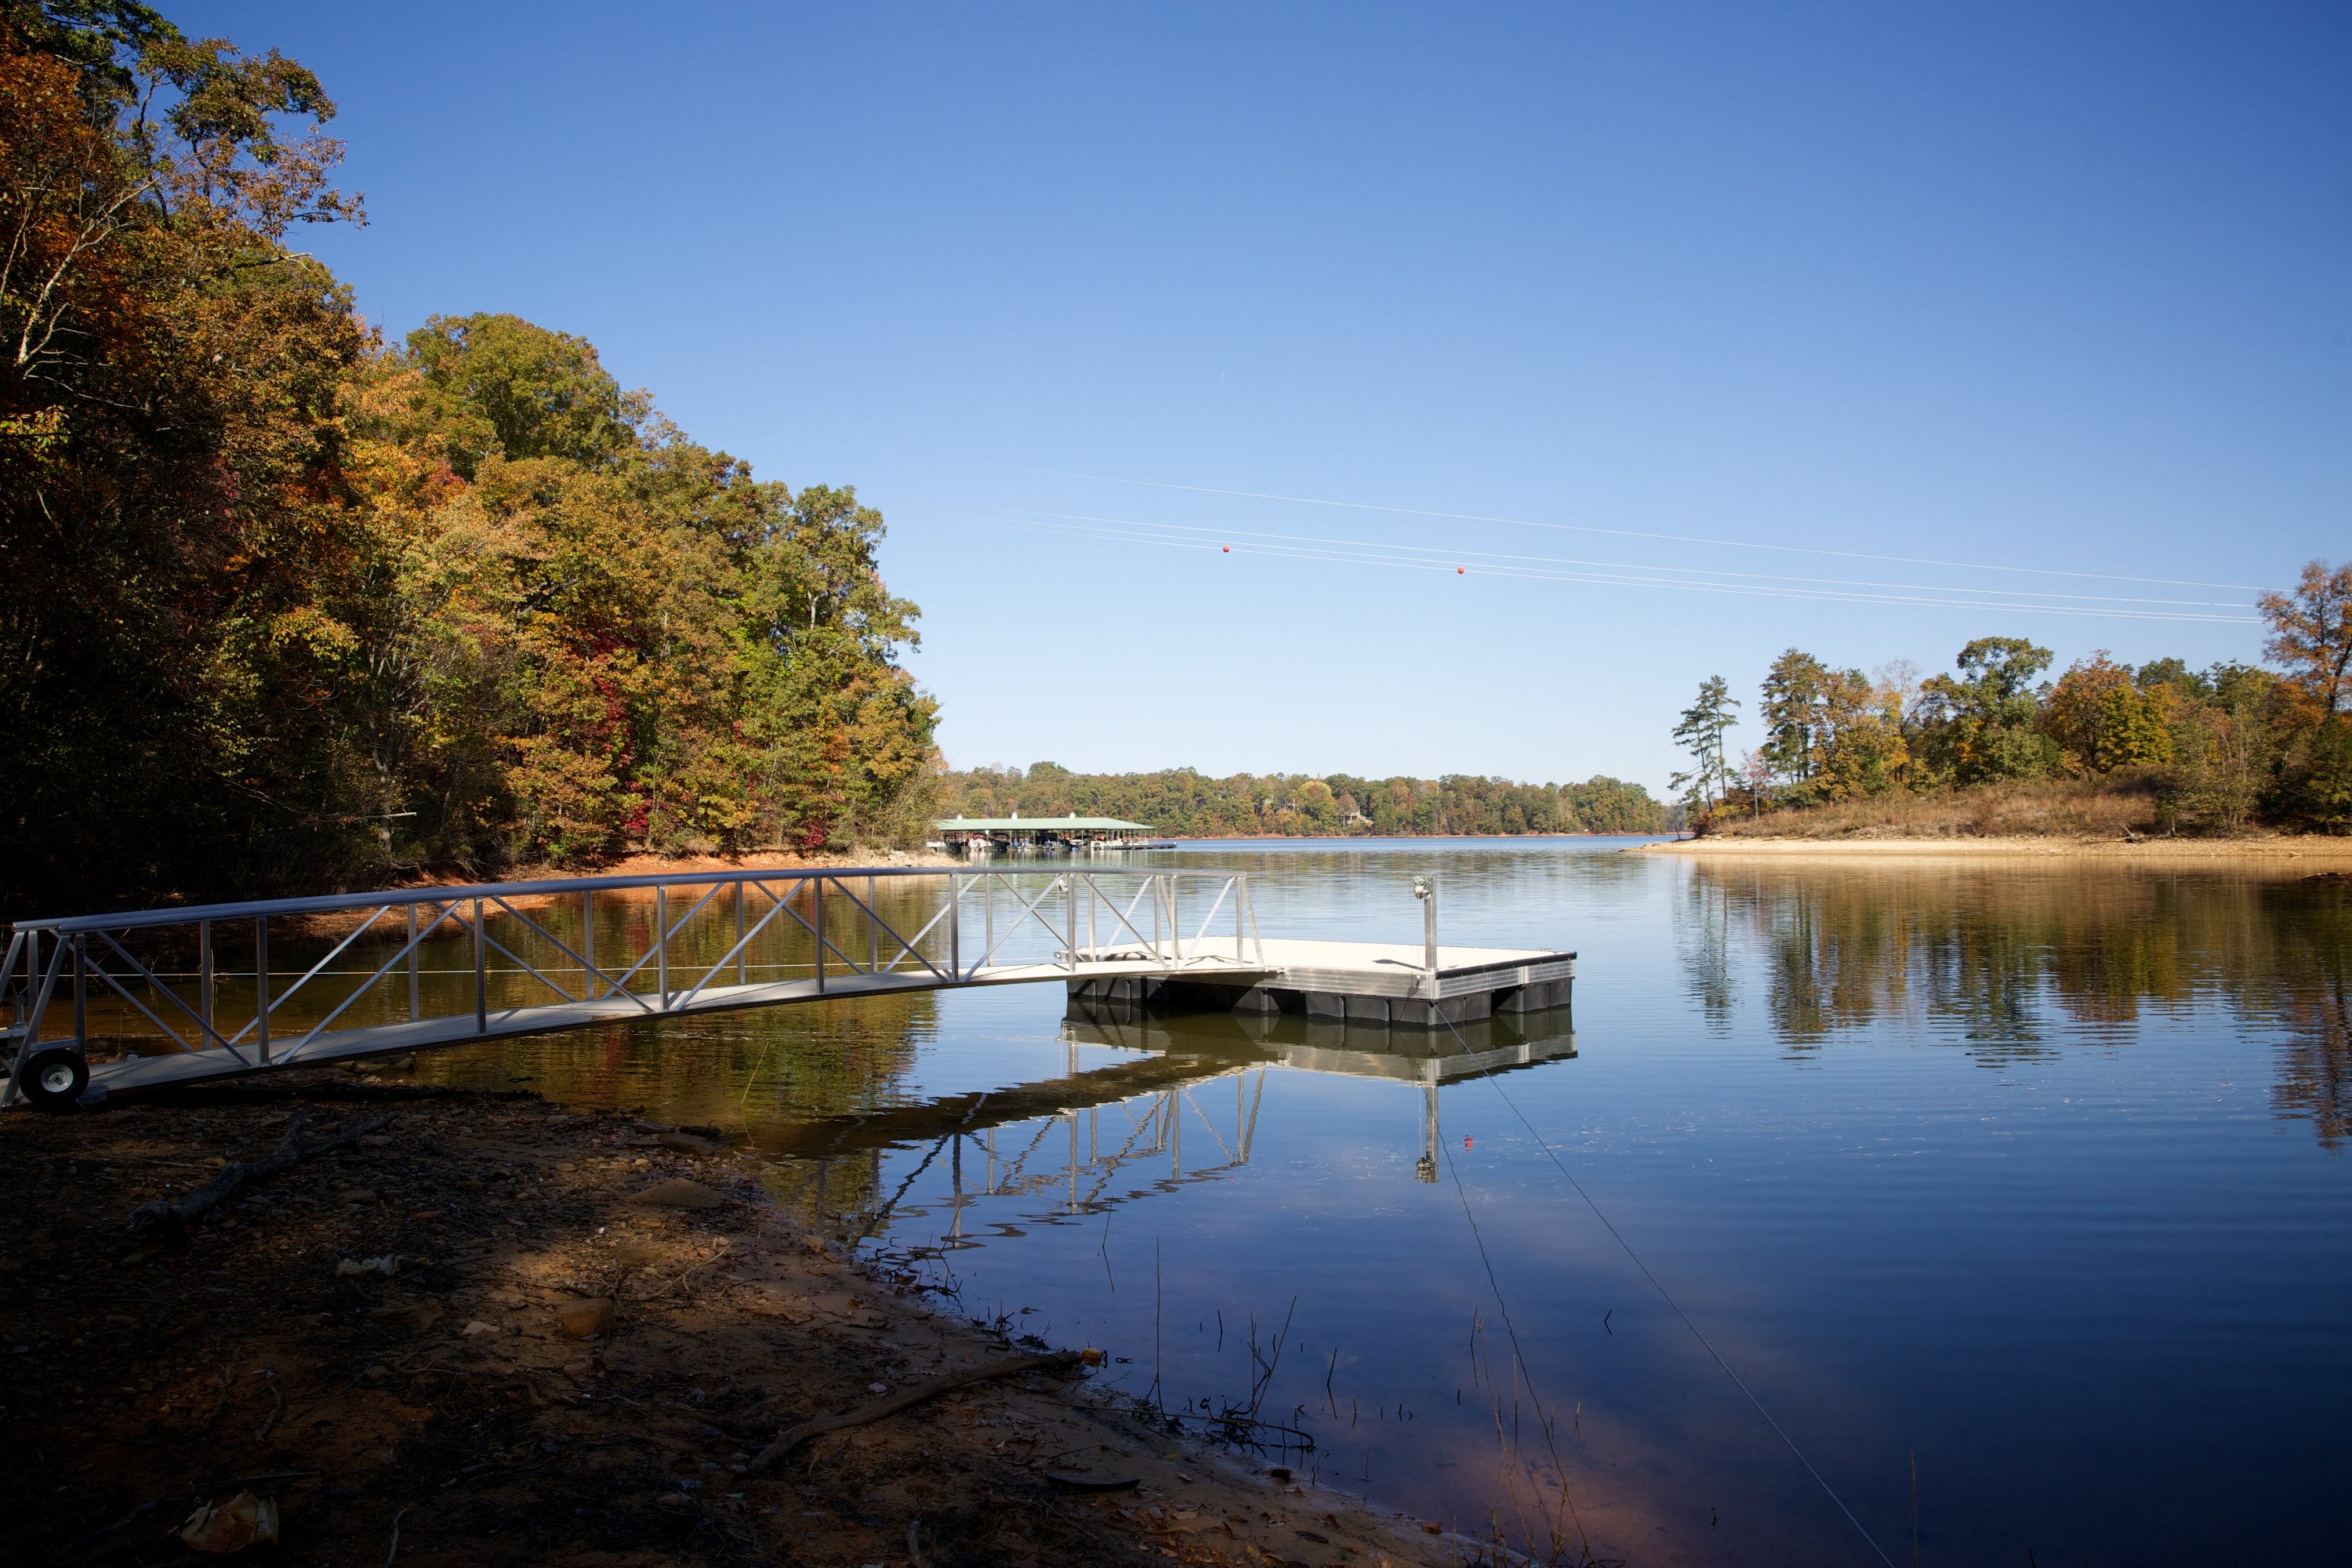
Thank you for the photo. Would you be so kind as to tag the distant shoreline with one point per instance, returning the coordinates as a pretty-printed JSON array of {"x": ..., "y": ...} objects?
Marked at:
[{"x": 2306, "y": 847}]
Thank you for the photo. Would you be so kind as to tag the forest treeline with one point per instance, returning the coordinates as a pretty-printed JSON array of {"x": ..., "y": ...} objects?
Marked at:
[
  {"x": 1180, "y": 802},
  {"x": 284, "y": 605},
  {"x": 2218, "y": 749}
]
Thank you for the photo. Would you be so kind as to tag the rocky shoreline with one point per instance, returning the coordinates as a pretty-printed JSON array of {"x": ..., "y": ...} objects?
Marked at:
[{"x": 494, "y": 1331}]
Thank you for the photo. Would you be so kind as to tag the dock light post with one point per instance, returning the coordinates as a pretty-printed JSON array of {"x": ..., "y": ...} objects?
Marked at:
[{"x": 1425, "y": 889}]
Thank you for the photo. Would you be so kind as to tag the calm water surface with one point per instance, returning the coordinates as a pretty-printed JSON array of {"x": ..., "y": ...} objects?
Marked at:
[{"x": 2034, "y": 1174}]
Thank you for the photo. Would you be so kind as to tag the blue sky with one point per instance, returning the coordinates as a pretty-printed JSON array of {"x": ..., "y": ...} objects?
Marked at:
[{"x": 2053, "y": 287}]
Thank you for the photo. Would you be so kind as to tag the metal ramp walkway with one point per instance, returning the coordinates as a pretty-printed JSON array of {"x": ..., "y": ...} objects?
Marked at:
[
  {"x": 116, "y": 1002},
  {"x": 133, "y": 1000}
]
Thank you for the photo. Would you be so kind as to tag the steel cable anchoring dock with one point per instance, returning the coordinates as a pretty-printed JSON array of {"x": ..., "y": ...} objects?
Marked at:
[{"x": 117, "y": 1003}]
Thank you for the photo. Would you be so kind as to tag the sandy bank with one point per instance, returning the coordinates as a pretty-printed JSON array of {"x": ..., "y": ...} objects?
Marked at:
[
  {"x": 553, "y": 1372},
  {"x": 2312, "y": 850}
]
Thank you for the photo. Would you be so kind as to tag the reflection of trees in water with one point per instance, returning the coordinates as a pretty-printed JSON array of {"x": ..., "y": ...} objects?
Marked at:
[
  {"x": 1703, "y": 939},
  {"x": 2008, "y": 954},
  {"x": 2313, "y": 923}
]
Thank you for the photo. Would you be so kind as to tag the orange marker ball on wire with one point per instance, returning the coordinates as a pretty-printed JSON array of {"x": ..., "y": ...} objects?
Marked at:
[
  {"x": 1226, "y": 548},
  {"x": 1457, "y": 571}
]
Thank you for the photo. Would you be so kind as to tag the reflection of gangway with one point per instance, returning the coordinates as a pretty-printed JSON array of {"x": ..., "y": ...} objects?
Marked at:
[
  {"x": 1157, "y": 1134},
  {"x": 1167, "y": 1061},
  {"x": 147, "y": 999}
]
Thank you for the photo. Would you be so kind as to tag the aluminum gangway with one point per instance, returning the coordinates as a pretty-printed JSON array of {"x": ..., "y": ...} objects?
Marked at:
[{"x": 112, "y": 1002}]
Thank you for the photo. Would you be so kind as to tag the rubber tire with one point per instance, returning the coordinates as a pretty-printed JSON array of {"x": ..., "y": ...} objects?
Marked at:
[{"x": 53, "y": 1079}]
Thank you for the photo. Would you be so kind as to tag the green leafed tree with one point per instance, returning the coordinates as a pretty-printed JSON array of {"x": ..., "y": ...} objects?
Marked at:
[
  {"x": 1700, "y": 732},
  {"x": 1979, "y": 725}
]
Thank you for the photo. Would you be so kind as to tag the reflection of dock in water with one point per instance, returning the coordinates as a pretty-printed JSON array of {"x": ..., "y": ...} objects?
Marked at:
[
  {"x": 1496, "y": 1044},
  {"x": 1135, "y": 1114},
  {"x": 1502, "y": 1043}
]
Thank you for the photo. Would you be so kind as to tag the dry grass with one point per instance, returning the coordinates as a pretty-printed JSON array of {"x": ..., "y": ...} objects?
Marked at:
[{"x": 2022, "y": 808}]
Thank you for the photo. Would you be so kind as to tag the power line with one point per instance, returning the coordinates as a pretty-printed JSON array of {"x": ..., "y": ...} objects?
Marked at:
[
  {"x": 1644, "y": 533},
  {"x": 1357, "y": 557},
  {"x": 1696, "y": 573}
]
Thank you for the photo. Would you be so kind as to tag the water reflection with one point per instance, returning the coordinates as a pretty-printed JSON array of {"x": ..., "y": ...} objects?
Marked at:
[
  {"x": 1098, "y": 1136},
  {"x": 2013, "y": 964},
  {"x": 2093, "y": 1292}
]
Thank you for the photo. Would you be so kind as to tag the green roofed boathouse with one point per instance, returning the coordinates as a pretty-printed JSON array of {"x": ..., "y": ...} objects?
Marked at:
[{"x": 1037, "y": 835}]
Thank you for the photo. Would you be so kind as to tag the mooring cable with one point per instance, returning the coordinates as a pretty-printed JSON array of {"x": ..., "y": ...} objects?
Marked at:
[
  {"x": 1584, "y": 1541},
  {"x": 1667, "y": 1296}
]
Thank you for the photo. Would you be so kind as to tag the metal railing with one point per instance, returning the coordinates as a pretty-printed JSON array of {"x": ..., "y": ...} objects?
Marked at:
[{"x": 511, "y": 958}]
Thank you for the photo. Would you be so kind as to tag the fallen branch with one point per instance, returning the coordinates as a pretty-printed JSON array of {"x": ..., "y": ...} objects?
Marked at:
[
  {"x": 169, "y": 1217},
  {"x": 794, "y": 1437}
]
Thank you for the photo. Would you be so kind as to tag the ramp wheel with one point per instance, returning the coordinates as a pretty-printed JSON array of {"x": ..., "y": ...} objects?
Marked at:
[{"x": 53, "y": 1079}]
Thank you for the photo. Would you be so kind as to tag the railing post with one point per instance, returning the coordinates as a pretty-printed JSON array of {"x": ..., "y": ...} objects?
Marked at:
[
  {"x": 818, "y": 880},
  {"x": 987, "y": 914},
  {"x": 661, "y": 945},
  {"x": 955, "y": 928},
  {"x": 742, "y": 966},
  {"x": 588, "y": 988},
  {"x": 481, "y": 973},
  {"x": 873, "y": 930},
  {"x": 205, "y": 975},
  {"x": 416, "y": 1011},
  {"x": 1070, "y": 908},
  {"x": 261, "y": 986},
  {"x": 1241, "y": 895},
  {"x": 82, "y": 993}
]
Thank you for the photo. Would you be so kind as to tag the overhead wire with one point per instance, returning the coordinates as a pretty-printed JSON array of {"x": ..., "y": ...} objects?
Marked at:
[
  {"x": 1450, "y": 554},
  {"x": 1372, "y": 554},
  {"x": 1646, "y": 533}
]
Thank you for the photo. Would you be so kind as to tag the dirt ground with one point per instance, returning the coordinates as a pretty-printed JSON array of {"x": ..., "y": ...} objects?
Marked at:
[{"x": 469, "y": 1407}]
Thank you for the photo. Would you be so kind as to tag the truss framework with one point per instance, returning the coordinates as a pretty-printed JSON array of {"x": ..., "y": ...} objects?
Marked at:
[{"x": 105, "y": 986}]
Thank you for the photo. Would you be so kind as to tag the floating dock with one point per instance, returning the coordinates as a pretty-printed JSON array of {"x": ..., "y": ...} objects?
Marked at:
[{"x": 1356, "y": 983}]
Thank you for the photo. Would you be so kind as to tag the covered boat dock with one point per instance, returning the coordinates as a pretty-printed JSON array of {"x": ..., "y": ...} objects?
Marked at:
[{"x": 1047, "y": 834}]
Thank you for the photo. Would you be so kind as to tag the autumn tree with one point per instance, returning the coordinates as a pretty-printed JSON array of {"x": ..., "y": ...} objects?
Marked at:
[
  {"x": 2311, "y": 634},
  {"x": 283, "y": 606},
  {"x": 177, "y": 566},
  {"x": 2101, "y": 719},
  {"x": 2311, "y": 639},
  {"x": 1858, "y": 744}
]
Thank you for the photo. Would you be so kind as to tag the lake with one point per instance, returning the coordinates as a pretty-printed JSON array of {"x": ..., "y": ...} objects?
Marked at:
[{"x": 2025, "y": 1178}]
